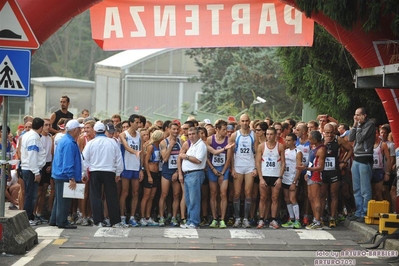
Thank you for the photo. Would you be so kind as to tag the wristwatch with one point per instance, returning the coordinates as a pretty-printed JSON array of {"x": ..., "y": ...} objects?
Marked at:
[
  {"x": 294, "y": 182},
  {"x": 142, "y": 168}
]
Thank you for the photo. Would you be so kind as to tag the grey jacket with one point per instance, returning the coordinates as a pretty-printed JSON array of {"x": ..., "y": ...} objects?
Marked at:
[{"x": 364, "y": 137}]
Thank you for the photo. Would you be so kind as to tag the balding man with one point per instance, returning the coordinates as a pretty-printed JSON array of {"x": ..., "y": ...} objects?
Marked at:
[{"x": 243, "y": 168}]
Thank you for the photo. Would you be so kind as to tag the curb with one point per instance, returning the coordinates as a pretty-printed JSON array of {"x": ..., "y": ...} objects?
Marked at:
[{"x": 368, "y": 231}]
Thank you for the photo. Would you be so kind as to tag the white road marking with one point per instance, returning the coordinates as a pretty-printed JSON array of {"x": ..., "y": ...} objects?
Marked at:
[
  {"x": 31, "y": 254},
  {"x": 48, "y": 231},
  {"x": 112, "y": 232},
  {"x": 180, "y": 233},
  {"x": 314, "y": 234},
  {"x": 246, "y": 234}
]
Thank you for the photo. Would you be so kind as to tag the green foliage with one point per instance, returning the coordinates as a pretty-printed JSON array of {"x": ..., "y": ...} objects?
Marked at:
[
  {"x": 348, "y": 12},
  {"x": 234, "y": 77},
  {"x": 322, "y": 75},
  {"x": 70, "y": 52}
]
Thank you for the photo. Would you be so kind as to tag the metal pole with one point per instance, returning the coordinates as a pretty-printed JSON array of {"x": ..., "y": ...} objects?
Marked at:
[{"x": 3, "y": 157}]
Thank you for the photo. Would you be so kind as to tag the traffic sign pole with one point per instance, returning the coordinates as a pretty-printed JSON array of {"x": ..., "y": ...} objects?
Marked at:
[{"x": 4, "y": 158}]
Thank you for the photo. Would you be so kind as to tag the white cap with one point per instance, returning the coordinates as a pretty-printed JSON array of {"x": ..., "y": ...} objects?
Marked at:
[
  {"x": 99, "y": 127},
  {"x": 72, "y": 124},
  {"x": 207, "y": 121}
]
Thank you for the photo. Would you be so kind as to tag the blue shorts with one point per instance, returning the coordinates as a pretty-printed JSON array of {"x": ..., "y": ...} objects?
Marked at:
[
  {"x": 213, "y": 178},
  {"x": 168, "y": 175},
  {"x": 130, "y": 174}
]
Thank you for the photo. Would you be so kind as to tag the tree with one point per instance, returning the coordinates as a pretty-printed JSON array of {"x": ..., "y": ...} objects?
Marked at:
[
  {"x": 70, "y": 52},
  {"x": 234, "y": 77},
  {"x": 322, "y": 75}
]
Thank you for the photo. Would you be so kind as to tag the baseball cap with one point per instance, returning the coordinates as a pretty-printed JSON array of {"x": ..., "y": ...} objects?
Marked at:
[
  {"x": 207, "y": 121},
  {"x": 99, "y": 127},
  {"x": 110, "y": 128},
  {"x": 177, "y": 122},
  {"x": 72, "y": 124},
  {"x": 231, "y": 119},
  {"x": 21, "y": 127}
]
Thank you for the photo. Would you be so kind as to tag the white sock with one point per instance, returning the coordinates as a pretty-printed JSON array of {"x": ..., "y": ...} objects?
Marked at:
[
  {"x": 290, "y": 211},
  {"x": 295, "y": 207}
]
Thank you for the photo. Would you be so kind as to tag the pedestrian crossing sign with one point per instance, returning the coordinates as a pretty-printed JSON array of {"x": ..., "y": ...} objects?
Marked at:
[{"x": 15, "y": 72}]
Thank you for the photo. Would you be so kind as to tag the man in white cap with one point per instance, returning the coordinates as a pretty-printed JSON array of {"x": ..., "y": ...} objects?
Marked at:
[
  {"x": 104, "y": 171},
  {"x": 67, "y": 167}
]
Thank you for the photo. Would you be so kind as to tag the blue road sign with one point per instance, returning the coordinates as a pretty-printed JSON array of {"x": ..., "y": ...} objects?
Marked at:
[{"x": 15, "y": 72}]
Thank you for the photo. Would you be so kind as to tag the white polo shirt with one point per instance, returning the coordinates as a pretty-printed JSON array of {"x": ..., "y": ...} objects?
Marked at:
[{"x": 199, "y": 151}]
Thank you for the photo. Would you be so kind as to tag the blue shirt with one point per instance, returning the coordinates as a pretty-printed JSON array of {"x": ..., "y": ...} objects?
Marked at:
[{"x": 67, "y": 162}]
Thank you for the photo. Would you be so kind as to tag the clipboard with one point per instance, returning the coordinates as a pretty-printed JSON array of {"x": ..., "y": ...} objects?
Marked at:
[{"x": 78, "y": 193}]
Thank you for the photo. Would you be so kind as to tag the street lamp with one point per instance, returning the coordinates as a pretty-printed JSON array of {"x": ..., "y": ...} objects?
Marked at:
[{"x": 258, "y": 100}]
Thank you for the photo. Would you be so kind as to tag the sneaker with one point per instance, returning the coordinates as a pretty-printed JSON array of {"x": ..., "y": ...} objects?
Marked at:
[
  {"x": 252, "y": 222},
  {"x": 12, "y": 207},
  {"x": 161, "y": 221},
  {"x": 133, "y": 222},
  {"x": 297, "y": 225},
  {"x": 192, "y": 226},
  {"x": 360, "y": 220},
  {"x": 90, "y": 221},
  {"x": 79, "y": 221},
  {"x": 332, "y": 223},
  {"x": 33, "y": 222},
  {"x": 185, "y": 226},
  {"x": 151, "y": 222},
  {"x": 261, "y": 224},
  {"x": 222, "y": 224},
  {"x": 267, "y": 223},
  {"x": 313, "y": 226},
  {"x": 204, "y": 222},
  {"x": 174, "y": 222},
  {"x": 274, "y": 225},
  {"x": 305, "y": 220},
  {"x": 245, "y": 223},
  {"x": 230, "y": 222},
  {"x": 123, "y": 221},
  {"x": 237, "y": 223},
  {"x": 341, "y": 218},
  {"x": 85, "y": 221},
  {"x": 42, "y": 219},
  {"x": 214, "y": 224},
  {"x": 288, "y": 224},
  {"x": 352, "y": 217},
  {"x": 184, "y": 221},
  {"x": 100, "y": 224},
  {"x": 143, "y": 222},
  {"x": 107, "y": 222}
]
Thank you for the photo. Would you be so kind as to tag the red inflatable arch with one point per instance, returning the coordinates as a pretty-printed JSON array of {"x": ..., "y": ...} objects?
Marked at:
[{"x": 369, "y": 49}]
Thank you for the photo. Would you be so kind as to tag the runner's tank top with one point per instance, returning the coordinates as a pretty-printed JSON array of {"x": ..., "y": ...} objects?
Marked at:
[
  {"x": 171, "y": 164},
  {"x": 271, "y": 161},
  {"x": 290, "y": 166},
  {"x": 131, "y": 161},
  {"x": 219, "y": 159},
  {"x": 244, "y": 151},
  {"x": 378, "y": 158}
]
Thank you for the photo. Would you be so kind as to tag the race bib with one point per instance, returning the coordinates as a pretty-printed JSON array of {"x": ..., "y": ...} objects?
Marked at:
[
  {"x": 271, "y": 164},
  {"x": 219, "y": 160},
  {"x": 376, "y": 161},
  {"x": 329, "y": 164},
  {"x": 173, "y": 161}
]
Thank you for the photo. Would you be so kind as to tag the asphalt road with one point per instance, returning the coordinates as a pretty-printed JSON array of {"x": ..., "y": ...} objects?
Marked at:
[{"x": 89, "y": 245}]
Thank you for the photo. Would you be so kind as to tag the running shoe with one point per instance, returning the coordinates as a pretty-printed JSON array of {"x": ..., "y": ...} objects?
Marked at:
[
  {"x": 100, "y": 224},
  {"x": 267, "y": 223},
  {"x": 33, "y": 222},
  {"x": 79, "y": 221},
  {"x": 261, "y": 224},
  {"x": 245, "y": 223},
  {"x": 161, "y": 221},
  {"x": 297, "y": 225},
  {"x": 230, "y": 222},
  {"x": 192, "y": 226},
  {"x": 332, "y": 223},
  {"x": 151, "y": 222},
  {"x": 222, "y": 224},
  {"x": 305, "y": 220},
  {"x": 133, "y": 222},
  {"x": 90, "y": 221},
  {"x": 41, "y": 219},
  {"x": 85, "y": 221},
  {"x": 13, "y": 207},
  {"x": 174, "y": 222},
  {"x": 288, "y": 224},
  {"x": 237, "y": 223},
  {"x": 143, "y": 222},
  {"x": 204, "y": 222},
  {"x": 107, "y": 222},
  {"x": 274, "y": 225},
  {"x": 123, "y": 221},
  {"x": 314, "y": 226},
  {"x": 214, "y": 224},
  {"x": 341, "y": 218},
  {"x": 252, "y": 222},
  {"x": 184, "y": 221},
  {"x": 185, "y": 226}
]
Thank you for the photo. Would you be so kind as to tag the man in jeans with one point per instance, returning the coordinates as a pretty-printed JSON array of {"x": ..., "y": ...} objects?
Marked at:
[
  {"x": 33, "y": 158},
  {"x": 192, "y": 167},
  {"x": 363, "y": 135}
]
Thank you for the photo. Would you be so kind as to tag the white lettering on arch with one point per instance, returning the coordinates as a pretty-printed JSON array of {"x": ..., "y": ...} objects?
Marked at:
[
  {"x": 161, "y": 22},
  {"x": 134, "y": 12},
  {"x": 268, "y": 18},
  {"x": 244, "y": 20},
  {"x": 112, "y": 23}
]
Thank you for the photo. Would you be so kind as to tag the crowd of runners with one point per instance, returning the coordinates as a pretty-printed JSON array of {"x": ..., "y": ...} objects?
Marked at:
[{"x": 239, "y": 173}]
